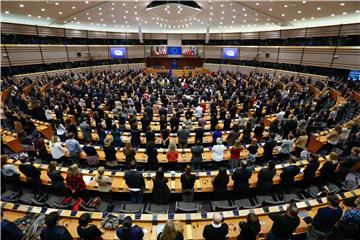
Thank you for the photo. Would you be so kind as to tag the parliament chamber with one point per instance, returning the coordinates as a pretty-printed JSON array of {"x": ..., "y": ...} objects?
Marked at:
[{"x": 176, "y": 120}]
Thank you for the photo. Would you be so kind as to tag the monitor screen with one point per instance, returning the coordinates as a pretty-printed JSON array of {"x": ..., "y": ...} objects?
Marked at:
[
  {"x": 119, "y": 52},
  {"x": 354, "y": 75},
  {"x": 189, "y": 50},
  {"x": 174, "y": 50},
  {"x": 230, "y": 52},
  {"x": 158, "y": 50}
]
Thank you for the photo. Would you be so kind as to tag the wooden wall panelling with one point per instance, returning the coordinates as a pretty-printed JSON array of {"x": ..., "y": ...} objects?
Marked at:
[
  {"x": 98, "y": 52},
  {"x": 115, "y": 35},
  {"x": 97, "y": 34},
  {"x": 54, "y": 53},
  {"x": 132, "y": 36},
  {"x": 75, "y": 33},
  {"x": 293, "y": 33},
  {"x": 212, "y": 67},
  {"x": 250, "y": 35},
  {"x": 74, "y": 50},
  {"x": 268, "y": 54},
  {"x": 136, "y": 51},
  {"x": 350, "y": 29},
  {"x": 323, "y": 31},
  {"x": 270, "y": 34},
  {"x": 290, "y": 55},
  {"x": 188, "y": 36},
  {"x": 213, "y": 52},
  {"x": 248, "y": 52},
  {"x": 318, "y": 56},
  {"x": 20, "y": 29},
  {"x": 4, "y": 57},
  {"x": 216, "y": 36},
  {"x": 231, "y": 36},
  {"x": 201, "y": 36},
  {"x": 347, "y": 58},
  {"x": 24, "y": 54},
  {"x": 159, "y": 36},
  {"x": 50, "y": 31}
]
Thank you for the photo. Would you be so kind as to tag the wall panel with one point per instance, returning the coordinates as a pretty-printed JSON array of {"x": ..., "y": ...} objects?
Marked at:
[
  {"x": 115, "y": 35},
  {"x": 291, "y": 55},
  {"x": 268, "y": 54},
  {"x": 98, "y": 52},
  {"x": 212, "y": 52},
  {"x": 250, "y": 35},
  {"x": 189, "y": 36},
  {"x": 248, "y": 52},
  {"x": 216, "y": 36},
  {"x": 293, "y": 33},
  {"x": 24, "y": 54},
  {"x": 347, "y": 57},
  {"x": 97, "y": 34},
  {"x": 323, "y": 31},
  {"x": 318, "y": 56},
  {"x": 231, "y": 36},
  {"x": 4, "y": 57},
  {"x": 74, "y": 50},
  {"x": 212, "y": 67},
  {"x": 21, "y": 29},
  {"x": 51, "y": 31},
  {"x": 270, "y": 34},
  {"x": 136, "y": 51},
  {"x": 350, "y": 29},
  {"x": 54, "y": 53},
  {"x": 74, "y": 33}
]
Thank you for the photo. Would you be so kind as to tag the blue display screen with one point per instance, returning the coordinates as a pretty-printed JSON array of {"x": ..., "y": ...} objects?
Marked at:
[
  {"x": 230, "y": 52},
  {"x": 354, "y": 75},
  {"x": 174, "y": 50},
  {"x": 119, "y": 52}
]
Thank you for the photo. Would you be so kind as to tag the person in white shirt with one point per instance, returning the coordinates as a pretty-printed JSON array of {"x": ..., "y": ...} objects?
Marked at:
[
  {"x": 48, "y": 114},
  {"x": 60, "y": 131},
  {"x": 57, "y": 150},
  {"x": 198, "y": 111},
  {"x": 218, "y": 150},
  {"x": 10, "y": 172}
]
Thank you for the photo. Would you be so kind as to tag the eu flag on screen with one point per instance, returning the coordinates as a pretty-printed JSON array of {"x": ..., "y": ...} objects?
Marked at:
[
  {"x": 174, "y": 50},
  {"x": 119, "y": 52},
  {"x": 230, "y": 52}
]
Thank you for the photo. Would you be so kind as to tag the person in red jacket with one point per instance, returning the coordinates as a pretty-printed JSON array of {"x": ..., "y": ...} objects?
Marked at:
[
  {"x": 172, "y": 153},
  {"x": 75, "y": 181}
]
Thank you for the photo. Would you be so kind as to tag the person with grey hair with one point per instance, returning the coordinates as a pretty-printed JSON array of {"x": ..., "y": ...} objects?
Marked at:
[
  {"x": 218, "y": 150},
  {"x": 85, "y": 130},
  {"x": 183, "y": 136},
  {"x": 217, "y": 230}
]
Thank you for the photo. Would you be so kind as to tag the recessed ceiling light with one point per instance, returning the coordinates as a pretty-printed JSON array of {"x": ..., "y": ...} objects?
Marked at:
[
  {"x": 257, "y": 4},
  {"x": 73, "y": 7},
  {"x": 7, "y": 12},
  {"x": 43, "y": 9},
  {"x": 256, "y": 19},
  {"x": 221, "y": 23},
  {"x": 87, "y": 14},
  {"x": 48, "y": 18},
  {"x": 244, "y": 20},
  {"x": 245, "y": 15},
  {"x": 113, "y": 4},
  {"x": 211, "y": 8},
  {"x": 60, "y": 13},
  {"x": 222, "y": 12},
  {"x": 318, "y": 8},
  {"x": 312, "y": 18},
  {"x": 99, "y": 9},
  {"x": 124, "y": 16},
  {"x": 65, "y": 21},
  {"x": 29, "y": 15},
  {"x": 244, "y": 9},
  {"x": 232, "y": 21},
  {"x": 124, "y": 4},
  {"x": 270, "y": 9},
  {"x": 135, "y": 13},
  {"x": 234, "y": 16},
  {"x": 357, "y": 11},
  {"x": 299, "y": 12},
  {"x": 294, "y": 20},
  {"x": 126, "y": 11},
  {"x": 89, "y": 18},
  {"x": 101, "y": 20},
  {"x": 222, "y": 5},
  {"x": 145, "y": 22},
  {"x": 268, "y": 19},
  {"x": 303, "y": 1},
  {"x": 39, "y": 16},
  {"x": 168, "y": 12},
  {"x": 112, "y": 9},
  {"x": 126, "y": 22},
  {"x": 342, "y": 4},
  {"x": 303, "y": 19},
  {"x": 211, "y": 14},
  {"x": 21, "y": 5},
  {"x": 344, "y": 13},
  {"x": 100, "y": 13},
  {"x": 283, "y": 15},
  {"x": 285, "y": 6},
  {"x": 86, "y": 2},
  {"x": 256, "y": 14},
  {"x": 56, "y": 3},
  {"x": 74, "y": 18},
  {"x": 222, "y": 18}
]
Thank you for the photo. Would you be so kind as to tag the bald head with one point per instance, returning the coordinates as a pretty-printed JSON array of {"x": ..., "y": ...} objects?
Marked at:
[{"x": 217, "y": 218}]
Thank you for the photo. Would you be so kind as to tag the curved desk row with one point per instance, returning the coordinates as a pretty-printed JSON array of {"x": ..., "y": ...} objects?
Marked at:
[{"x": 193, "y": 224}]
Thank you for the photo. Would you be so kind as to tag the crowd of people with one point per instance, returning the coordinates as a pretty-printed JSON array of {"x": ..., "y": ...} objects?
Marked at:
[{"x": 237, "y": 103}]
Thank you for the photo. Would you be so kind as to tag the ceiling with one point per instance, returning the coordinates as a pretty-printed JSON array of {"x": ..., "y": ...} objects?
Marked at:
[{"x": 221, "y": 16}]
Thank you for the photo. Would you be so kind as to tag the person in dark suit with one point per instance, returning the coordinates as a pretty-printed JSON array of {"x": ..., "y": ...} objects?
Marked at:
[
  {"x": 310, "y": 170},
  {"x": 32, "y": 174},
  {"x": 174, "y": 123},
  {"x": 196, "y": 157},
  {"x": 135, "y": 136},
  {"x": 327, "y": 171},
  {"x": 220, "y": 182},
  {"x": 241, "y": 178},
  {"x": 135, "y": 181},
  {"x": 249, "y": 229},
  {"x": 199, "y": 134},
  {"x": 217, "y": 230},
  {"x": 269, "y": 147},
  {"x": 265, "y": 178},
  {"x": 288, "y": 174},
  {"x": 160, "y": 191},
  {"x": 152, "y": 155}
]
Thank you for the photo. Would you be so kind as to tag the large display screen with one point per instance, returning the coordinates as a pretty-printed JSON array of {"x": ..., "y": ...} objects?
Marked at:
[
  {"x": 354, "y": 75},
  {"x": 189, "y": 50},
  {"x": 119, "y": 52},
  {"x": 158, "y": 50},
  {"x": 230, "y": 52},
  {"x": 174, "y": 50}
]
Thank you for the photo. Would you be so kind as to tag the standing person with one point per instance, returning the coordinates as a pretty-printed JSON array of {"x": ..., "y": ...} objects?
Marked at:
[
  {"x": 85, "y": 130},
  {"x": 74, "y": 148},
  {"x": 104, "y": 185},
  {"x": 9, "y": 230},
  {"x": 40, "y": 148},
  {"x": 249, "y": 229},
  {"x": 92, "y": 156},
  {"x": 60, "y": 131},
  {"x": 199, "y": 133},
  {"x": 287, "y": 176},
  {"x": 31, "y": 173},
  {"x": 196, "y": 157},
  {"x": 220, "y": 182},
  {"x": 53, "y": 230},
  {"x": 187, "y": 184},
  {"x": 216, "y": 134},
  {"x": 116, "y": 136},
  {"x": 218, "y": 150},
  {"x": 130, "y": 153},
  {"x": 324, "y": 221},
  {"x": 241, "y": 178},
  {"x": 217, "y": 230},
  {"x": 310, "y": 170},
  {"x": 87, "y": 231},
  {"x": 128, "y": 231},
  {"x": 170, "y": 232},
  {"x": 135, "y": 182},
  {"x": 135, "y": 136},
  {"x": 57, "y": 180},
  {"x": 183, "y": 136},
  {"x": 110, "y": 153},
  {"x": 233, "y": 135},
  {"x": 172, "y": 153},
  {"x": 265, "y": 178},
  {"x": 160, "y": 191},
  {"x": 332, "y": 139},
  {"x": 235, "y": 152},
  {"x": 327, "y": 171},
  {"x": 75, "y": 182},
  {"x": 149, "y": 135},
  {"x": 57, "y": 150},
  {"x": 269, "y": 148},
  {"x": 165, "y": 137},
  {"x": 9, "y": 174},
  {"x": 284, "y": 224},
  {"x": 152, "y": 155},
  {"x": 300, "y": 143},
  {"x": 286, "y": 148}
]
